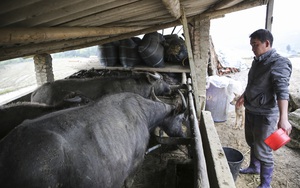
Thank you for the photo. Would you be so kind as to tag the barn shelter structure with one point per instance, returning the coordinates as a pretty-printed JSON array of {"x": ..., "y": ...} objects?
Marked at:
[{"x": 39, "y": 28}]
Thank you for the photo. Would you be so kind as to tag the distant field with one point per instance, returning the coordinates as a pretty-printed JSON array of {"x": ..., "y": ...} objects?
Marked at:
[{"x": 21, "y": 76}]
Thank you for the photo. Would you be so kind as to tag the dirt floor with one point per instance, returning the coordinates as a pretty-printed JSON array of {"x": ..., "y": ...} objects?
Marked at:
[{"x": 287, "y": 165}]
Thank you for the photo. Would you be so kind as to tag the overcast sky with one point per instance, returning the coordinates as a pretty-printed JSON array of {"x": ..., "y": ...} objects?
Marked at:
[{"x": 231, "y": 33}]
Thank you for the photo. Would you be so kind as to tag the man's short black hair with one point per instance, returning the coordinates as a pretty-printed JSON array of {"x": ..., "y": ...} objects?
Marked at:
[{"x": 263, "y": 35}]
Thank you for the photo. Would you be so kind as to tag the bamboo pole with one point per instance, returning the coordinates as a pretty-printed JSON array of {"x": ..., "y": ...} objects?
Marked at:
[
  {"x": 201, "y": 176},
  {"x": 167, "y": 68},
  {"x": 38, "y": 35}
]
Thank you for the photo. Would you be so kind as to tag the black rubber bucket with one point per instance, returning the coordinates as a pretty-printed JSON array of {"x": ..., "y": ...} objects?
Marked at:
[{"x": 234, "y": 159}]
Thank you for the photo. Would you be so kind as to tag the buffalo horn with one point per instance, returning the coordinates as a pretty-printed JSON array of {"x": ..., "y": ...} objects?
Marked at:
[
  {"x": 184, "y": 104},
  {"x": 155, "y": 75},
  {"x": 154, "y": 97}
]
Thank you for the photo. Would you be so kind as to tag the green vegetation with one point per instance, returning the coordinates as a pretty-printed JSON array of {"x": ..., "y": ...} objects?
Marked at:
[{"x": 7, "y": 91}]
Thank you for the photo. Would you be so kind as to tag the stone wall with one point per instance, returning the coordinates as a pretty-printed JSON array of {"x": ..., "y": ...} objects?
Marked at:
[{"x": 43, "y": 68}]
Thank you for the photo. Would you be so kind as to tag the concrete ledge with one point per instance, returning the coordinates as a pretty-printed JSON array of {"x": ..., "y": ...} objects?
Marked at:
[
  {"x": 217, "y": 166},
  {"x": 23, "y": 94}
]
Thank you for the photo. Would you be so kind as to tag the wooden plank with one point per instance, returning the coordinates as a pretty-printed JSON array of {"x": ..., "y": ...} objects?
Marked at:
[{"x": 218, "y": 167}]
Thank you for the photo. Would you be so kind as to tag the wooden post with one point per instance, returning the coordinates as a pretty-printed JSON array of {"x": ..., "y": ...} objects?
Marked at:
[
  {"x": 212, "y": 68},
  {"x": 201, "y": 56},
  {"x": 198, "y": 58},
  {"x": 191, "y": 62},
  {"x": 269, "y": 15}
]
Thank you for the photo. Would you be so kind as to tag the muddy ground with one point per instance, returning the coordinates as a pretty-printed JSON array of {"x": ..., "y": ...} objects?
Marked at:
[{"x": 287, "y": 166}]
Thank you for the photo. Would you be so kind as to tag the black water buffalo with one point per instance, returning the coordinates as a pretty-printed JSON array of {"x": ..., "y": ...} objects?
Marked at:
[
  {"x": 54, "y": 92},
  {"x": 96, "y": 145},
  {"x": 14, "y": 114}
]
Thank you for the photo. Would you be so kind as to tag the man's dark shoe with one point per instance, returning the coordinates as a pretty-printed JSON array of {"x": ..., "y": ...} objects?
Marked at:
[
  {"x": 266, "y": 177},
  {"x": 254, "y": 167}
]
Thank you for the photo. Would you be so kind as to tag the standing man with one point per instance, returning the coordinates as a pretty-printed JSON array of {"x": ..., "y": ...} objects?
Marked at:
[{"x": 266, "y": 101}]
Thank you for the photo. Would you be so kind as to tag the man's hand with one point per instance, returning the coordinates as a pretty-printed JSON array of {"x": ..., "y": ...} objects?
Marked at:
[
  {"x": 283, "y": 116},
  {"x": 240, "y": 101}
]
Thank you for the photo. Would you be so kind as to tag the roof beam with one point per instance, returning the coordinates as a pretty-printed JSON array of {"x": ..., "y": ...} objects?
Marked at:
[
  {"x": 38, "y": 35},
  {"x": 72, "y": 44},
  {"x": 173, "y": 7}
]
